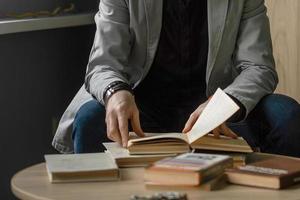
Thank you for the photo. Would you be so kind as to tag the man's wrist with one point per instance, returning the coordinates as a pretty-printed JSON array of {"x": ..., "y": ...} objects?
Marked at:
[
  {"x": 240, "y": 114},
  {"x": 114, "y": 87}
]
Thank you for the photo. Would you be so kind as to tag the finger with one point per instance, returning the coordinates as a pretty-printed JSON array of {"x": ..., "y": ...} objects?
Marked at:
[
  {"x": 112, "y": 129},
  {"x": 136, "y": 125},
  {"x": 234, "y": 135},
  {"x": 123, "y": 128},
  {"x": 190, "y": 123},
  {"x": 216, "y": 132},
  {"x": 227, "y": 131}
]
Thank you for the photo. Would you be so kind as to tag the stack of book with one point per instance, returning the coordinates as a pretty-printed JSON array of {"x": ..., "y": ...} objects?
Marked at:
[
  {"x": 189, "y": 169},
  {"x": 193, "y": 169},
  {"x": 124, "y": 159},
  {"x": 143, "y": 151}
]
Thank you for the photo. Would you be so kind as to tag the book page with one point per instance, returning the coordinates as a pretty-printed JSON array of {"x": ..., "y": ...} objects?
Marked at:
[
  {"x": 158, "y": 137},
  {"x": 218, "y": 110},
  {"x": 117, "y": 152}
]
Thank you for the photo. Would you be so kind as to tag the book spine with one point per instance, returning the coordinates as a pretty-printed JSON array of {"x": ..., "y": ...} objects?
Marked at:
[
  {"x": 215, "y": 170},
  {"x": 289, "y": 180}
]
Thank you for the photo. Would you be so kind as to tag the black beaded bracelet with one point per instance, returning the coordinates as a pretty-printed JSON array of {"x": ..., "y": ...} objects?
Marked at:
[{"x": 113, "y": 88}]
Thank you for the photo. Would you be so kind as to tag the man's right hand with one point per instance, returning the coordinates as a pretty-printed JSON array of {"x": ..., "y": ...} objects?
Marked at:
[{"x": 121, "y": 108}]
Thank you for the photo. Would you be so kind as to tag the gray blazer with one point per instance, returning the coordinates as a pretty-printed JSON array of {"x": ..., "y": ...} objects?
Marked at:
[{"x": 240, "y": 59}]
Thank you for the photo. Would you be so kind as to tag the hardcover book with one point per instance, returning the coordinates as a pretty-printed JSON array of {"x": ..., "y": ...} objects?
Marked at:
[
  {"x": 81, "y": 167},
  {"x": 190, "y": 169},
  {"x": 274, "y": 173}
]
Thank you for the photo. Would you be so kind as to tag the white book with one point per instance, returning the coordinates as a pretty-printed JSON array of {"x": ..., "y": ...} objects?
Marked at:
[{"x": 81, "y": 167}]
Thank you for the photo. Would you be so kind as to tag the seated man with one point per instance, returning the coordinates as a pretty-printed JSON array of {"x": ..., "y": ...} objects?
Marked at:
[{"x": 154, "y": 63}]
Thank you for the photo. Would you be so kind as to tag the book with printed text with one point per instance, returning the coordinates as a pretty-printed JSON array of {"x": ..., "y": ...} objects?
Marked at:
[
  {"x": 275, "y": 173},
  {"x": 189, "y": 169}
]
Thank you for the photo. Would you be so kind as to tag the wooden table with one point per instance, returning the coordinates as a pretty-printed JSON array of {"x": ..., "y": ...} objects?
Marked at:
[{"x": 32, "y": 183}]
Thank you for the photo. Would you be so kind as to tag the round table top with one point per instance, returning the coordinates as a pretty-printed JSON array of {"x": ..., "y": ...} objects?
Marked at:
[{"x": 33, "y": 183}]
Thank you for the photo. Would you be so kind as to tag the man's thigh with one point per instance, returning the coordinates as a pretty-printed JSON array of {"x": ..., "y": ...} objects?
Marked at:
[
  {"x": 273, "y": 125},
  {"x": 89, "y": 128}
]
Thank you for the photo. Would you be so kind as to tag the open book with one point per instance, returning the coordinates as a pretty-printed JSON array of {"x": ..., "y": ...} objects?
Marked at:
[{"x": 218, "y": 110}]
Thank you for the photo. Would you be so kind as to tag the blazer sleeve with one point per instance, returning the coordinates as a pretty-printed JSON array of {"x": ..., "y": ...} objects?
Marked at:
[
  {"x": 109, "y": 55},
  {"x": 253, "y": 57}
]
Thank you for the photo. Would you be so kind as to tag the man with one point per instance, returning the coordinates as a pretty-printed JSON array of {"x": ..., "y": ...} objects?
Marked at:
[{"x": 155, "y": 63}]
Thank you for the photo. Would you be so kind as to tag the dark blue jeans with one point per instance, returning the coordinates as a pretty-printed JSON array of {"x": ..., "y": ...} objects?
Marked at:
[{"x": 273, "y": 126}]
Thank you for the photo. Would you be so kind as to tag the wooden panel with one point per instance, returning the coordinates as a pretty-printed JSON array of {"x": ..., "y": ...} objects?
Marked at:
[{"x": 285, "y": 28}]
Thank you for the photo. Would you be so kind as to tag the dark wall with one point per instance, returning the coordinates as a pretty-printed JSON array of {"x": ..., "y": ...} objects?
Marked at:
[
  {"x": 19, "y": 6},
  {"x": 40, "y": 72}
]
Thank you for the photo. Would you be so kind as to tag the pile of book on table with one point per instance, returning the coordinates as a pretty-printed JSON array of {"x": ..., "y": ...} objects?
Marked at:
[
  {"x": 153, "y": 147},
  {"x": 209, "y": 171},
  {"x": 144, "y": 151},
  {"x": 159, "y": 153},
  {"x": 159, "y": 146}
]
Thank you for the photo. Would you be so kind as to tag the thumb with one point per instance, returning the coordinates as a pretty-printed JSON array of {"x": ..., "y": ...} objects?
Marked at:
[{"x": 190, "y": 122}]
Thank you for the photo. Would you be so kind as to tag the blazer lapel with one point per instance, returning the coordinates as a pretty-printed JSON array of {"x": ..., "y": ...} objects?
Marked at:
[
  {"x": 153, "y": 10},
  {"x": 217, "y": 13}
]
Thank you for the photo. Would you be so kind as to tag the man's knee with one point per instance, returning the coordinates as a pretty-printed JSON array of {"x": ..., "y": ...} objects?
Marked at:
[
  {"x": 277, "y": 109},
  {"x": 278, "y": 117},
  {"x": 89, "y": 128},
  {"x": 278, "y": 102},
  {"x": 281, "y": 110},
  {"x": 284, "y": 120},
  {"x": 91, "y": 116}
]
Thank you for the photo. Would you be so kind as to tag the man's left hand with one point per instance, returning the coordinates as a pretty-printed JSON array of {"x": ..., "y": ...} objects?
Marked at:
[{"x": 220, "y": 130}]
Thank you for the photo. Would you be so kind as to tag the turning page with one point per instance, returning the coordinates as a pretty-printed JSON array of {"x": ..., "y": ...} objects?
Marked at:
[{"x": 218, "y": 110}]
